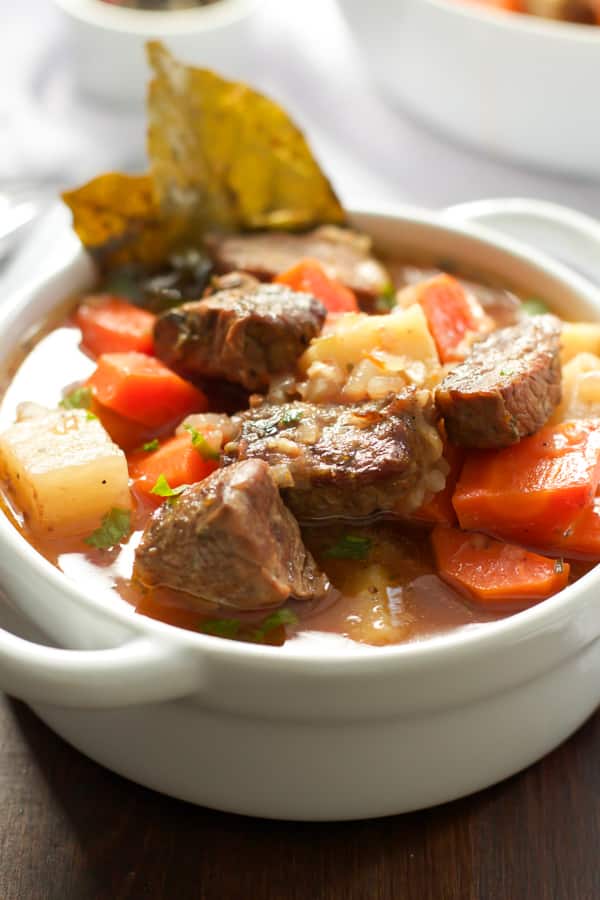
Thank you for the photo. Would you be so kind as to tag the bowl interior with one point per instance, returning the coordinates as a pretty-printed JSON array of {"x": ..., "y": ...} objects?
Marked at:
[{"x": 409, "y": 234}]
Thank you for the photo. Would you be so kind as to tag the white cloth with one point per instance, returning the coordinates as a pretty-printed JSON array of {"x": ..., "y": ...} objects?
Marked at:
[{"x": 374, "y": 153}]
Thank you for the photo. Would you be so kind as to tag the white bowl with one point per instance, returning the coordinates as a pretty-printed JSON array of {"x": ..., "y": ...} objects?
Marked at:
[
  {"x": 107, "y": 42},
  {"x": 512, "y": 85},
  {"x": 306, "y": 731}
]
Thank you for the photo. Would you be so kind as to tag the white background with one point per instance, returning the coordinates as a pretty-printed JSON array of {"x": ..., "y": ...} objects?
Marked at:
[{"x": 305, "y": 58}]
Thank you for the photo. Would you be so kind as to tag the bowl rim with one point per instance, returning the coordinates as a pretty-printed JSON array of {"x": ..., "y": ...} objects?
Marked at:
[
  {"x": 166, "y": 23},
  {"x": 547, "y": 615},
  {"x": 506, "y": 20}
]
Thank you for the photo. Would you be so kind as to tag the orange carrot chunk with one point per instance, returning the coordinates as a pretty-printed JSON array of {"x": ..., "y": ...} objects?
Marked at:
[
  {"x": 581, "y": 540},
  {"x": 111, "y": 325},
  {"x": 453, "y": 315},
  {"x": 176, "y": 458},
  {"x": 532, "y": 491},
  {"x": 309, "y": 276},
  {"x": 143, "y": 389},
  {"x": 492, "y": 572}
]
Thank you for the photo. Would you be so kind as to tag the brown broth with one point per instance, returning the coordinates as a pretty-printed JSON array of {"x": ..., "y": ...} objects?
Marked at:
[{"x": 393, "y": 596}]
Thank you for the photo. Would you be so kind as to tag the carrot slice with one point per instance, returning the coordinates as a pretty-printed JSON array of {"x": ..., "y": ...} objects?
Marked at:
[
  {"x": 453, "y": 315},
  {"x": 177, "y": 459},
  {"x": 492, "y": 572},
  {"x": 309, "y": 275},
  {"x": 581, "y": 540},
  {"x": 143, "y": 389},
  {"x": 533, "y": 491},
  {"x": 111, "y": 325}
]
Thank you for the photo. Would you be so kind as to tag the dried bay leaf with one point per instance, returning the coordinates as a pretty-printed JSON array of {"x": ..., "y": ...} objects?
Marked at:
[
  {"x": 222, "y": 158},
  {"x": 228, "y": 155}
]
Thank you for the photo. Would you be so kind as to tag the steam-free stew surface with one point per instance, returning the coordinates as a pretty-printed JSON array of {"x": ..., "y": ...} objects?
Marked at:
[{"x": 387, "y": 589}]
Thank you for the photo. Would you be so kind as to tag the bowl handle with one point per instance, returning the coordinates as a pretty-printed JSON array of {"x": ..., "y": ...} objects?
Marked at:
[
  {"x": 571, "y": 237},
  {"x": 142, "y": 670}
]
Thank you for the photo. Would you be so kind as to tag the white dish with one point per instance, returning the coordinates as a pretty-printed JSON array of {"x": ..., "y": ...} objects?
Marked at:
[
  {"x": 307, "y": 731},
  {"x": 107, "y": 42},
  {"x": 512, "y": 85}
]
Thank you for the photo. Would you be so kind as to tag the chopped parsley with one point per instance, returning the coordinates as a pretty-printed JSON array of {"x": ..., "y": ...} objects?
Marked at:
[
  {"x": 90, "y": 416},
  {"x": 149, "y": 446},
  {"x": 386, "y": 299},
  {"x": 200, "y": 443},
  {"x": 232, "y": 628},
  {"x": 162, "y": 488},
  {"x": 290, "y": 417},
  {"x": 534, "y": 307},
  {"x": 227, "y": 628},
  {"x": 80, "y": 398},
  {"x": 115, "y": 525},
  {"x": 124, "y": 283},
  {"x": 274, "y": 620},
  {"x": 506, "y": 371},
  {"x": 350, "y": 546}
]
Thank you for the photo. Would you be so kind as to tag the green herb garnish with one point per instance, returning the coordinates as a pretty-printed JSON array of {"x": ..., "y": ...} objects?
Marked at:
[
  {"x": 200, "y": 444},
  {"x": 386, "y": 299},
  {"x": 90, "y": 416},
  {"x": 290, "y": 417},
  {"x": 162, "y": 488},
  {"x": 115, "y": 525},
  {"x": 80, "y": 398},
  {"x": 124, "y": 283},
  {"x": 149, "y": 446},
  {"x": 534, "y": 307},
  {"x": 227, "y": 628},
  {"x": 232, "y": 628},
  {"x": 274, "y": 620},
  {"x": 350, "y": 546},
  {"x": 506, "y": 371}
]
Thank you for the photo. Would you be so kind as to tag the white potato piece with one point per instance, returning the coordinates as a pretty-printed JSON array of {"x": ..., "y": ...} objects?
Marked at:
[
  {"x": 579, "y": 337},
  {"x": 580, "y": 389},
  {"x": 402, "y": 334},
  {"x": 63, "y": 472}
]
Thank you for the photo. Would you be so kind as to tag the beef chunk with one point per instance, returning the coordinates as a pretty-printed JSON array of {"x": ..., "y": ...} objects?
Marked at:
[
  {"x": 346, "y": 461},
  {"x": 243, "y": 335},
  {"x": 506, "y": 388},
  {"x": 229, "y": 539},
  {"x": 345, "y": 255}
]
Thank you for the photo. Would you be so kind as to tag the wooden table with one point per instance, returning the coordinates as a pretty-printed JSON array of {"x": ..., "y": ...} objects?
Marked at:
[{"x": 70, "y": 830}]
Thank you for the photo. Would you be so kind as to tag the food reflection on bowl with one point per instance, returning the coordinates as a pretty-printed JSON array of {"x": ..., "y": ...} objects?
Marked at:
[
  {"x": 106, "y": 42},
  {"x": 513, "y": 86},
  {"x": 579, "y": 12}
]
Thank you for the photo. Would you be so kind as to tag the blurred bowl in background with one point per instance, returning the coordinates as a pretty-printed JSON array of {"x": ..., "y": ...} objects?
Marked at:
[
  {"x": 107, "y": 42},
  {"x": 512, "y": 85}
]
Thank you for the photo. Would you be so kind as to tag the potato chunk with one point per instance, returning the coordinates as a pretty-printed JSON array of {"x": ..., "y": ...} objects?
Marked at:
[
  {"x": 580, "y": 389},
  {"x": 579, "y": 337},
  {"x": 63, "y": 472},
  {"x": 402, "y": 335}
]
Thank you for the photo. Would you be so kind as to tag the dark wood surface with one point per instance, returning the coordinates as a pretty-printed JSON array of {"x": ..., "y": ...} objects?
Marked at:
[{"x": 70, "y": 830}]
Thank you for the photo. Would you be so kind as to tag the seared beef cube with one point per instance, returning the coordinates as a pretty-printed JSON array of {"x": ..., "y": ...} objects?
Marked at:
[
  {"x": 345, "y": 255},
  {"x": 506, "y": 388},
  {"x": 241, "y": 335},
  {"x": 347, "y": 461},
  {"x": 229, "y": 539}
]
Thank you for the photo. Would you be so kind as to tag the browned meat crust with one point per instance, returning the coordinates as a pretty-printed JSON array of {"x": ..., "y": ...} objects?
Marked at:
[
  {"x": 346, "y": 255},
  {"x": 229, "y": 539},
  {"x": 346, "y": 461},
  {"x": 506, "y": 388},
  {"x": 243, "y": 335}
]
